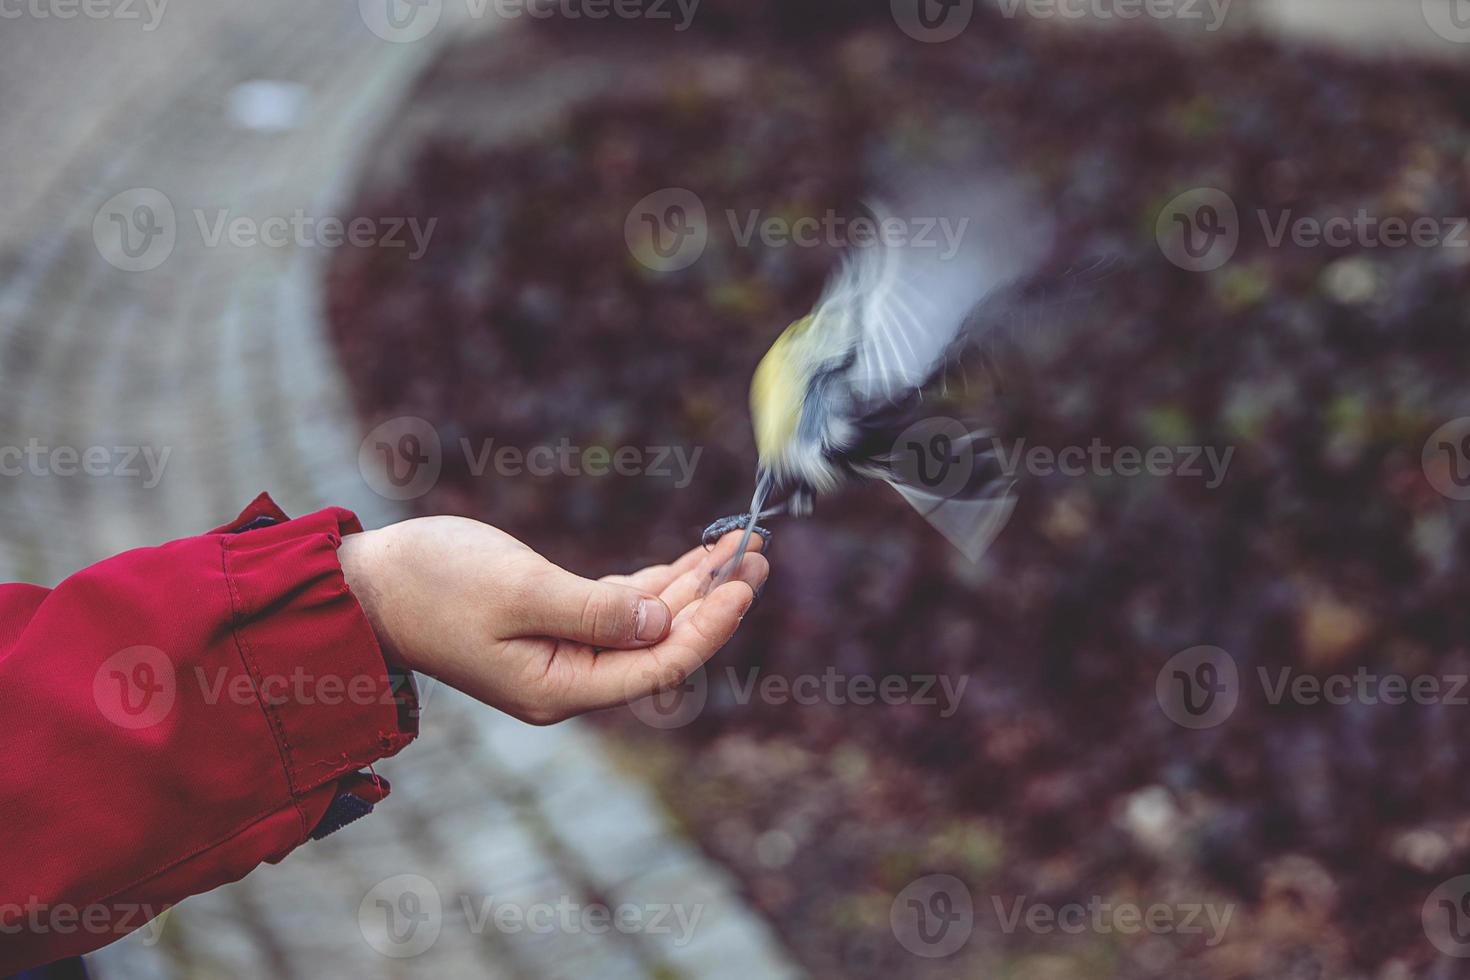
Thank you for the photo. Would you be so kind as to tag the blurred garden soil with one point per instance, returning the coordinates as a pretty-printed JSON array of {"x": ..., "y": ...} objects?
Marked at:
[{"x": 1059, "y": 777}]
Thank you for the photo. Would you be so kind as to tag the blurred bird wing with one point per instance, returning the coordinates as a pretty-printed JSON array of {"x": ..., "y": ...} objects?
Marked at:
[
  {"x": 970, "y": 523},
  {"x": 909, "y": 301}
]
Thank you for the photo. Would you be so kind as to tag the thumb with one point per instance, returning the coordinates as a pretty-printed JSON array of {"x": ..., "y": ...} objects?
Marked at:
[{"x": 602, "y": 614}]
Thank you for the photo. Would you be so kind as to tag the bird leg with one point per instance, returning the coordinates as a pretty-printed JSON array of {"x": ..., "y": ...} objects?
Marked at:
[{"x": 738, "y": 522}]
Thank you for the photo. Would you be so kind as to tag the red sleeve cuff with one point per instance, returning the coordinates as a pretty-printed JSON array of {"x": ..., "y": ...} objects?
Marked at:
[
  {"x": 322, "y": 679},
  {"x": 180, "y": 714}
]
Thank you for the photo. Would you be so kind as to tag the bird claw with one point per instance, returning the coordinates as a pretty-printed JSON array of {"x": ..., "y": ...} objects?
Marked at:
[{"x": 735, "y": 522}]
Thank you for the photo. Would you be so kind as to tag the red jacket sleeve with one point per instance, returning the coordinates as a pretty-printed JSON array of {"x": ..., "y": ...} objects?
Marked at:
[{"x": 176, "y": 716}]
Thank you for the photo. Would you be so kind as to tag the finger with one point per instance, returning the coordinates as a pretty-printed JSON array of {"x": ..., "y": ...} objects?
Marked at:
[
  {"x": 688, "y": 586},
  {"x": 621, "y": 676},
  {"x": 559, "y": 604},
  {"x": 656, "y": 578}
]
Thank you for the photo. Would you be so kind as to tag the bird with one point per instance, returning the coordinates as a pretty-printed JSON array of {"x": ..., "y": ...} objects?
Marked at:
[{"x": 856, "y": 389}]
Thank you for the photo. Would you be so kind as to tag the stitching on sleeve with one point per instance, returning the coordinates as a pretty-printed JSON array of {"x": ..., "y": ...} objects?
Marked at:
[{"x": 237, "y": 630}]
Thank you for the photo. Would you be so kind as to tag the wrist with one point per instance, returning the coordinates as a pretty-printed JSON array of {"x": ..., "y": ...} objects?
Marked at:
[{"x": 365, "y": 572}]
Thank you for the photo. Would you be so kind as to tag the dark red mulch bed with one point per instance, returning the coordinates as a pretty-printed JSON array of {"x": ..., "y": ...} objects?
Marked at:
[{"x": 1324, "y": 548}]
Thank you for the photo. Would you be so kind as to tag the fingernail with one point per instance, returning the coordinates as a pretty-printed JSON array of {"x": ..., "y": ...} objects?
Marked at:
[{"x": 652, "y": 620}]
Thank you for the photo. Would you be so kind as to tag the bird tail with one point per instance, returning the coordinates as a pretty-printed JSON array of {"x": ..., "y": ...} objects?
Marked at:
[
  {"x": 969, "y": 524},
  {"x": 954, "y": 476}
]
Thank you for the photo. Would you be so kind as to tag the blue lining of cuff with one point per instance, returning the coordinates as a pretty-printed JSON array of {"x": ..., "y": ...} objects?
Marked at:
[{"x": 344, "y": 809}]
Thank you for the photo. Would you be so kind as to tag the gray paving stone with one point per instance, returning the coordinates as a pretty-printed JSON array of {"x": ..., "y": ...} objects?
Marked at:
[{"x": 219, "y": 356}]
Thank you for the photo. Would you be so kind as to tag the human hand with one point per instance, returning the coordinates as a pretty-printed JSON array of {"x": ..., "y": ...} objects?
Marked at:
[{"x": 473, "y": 607}]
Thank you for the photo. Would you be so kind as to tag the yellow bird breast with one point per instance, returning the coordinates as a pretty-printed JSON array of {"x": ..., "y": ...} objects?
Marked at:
[{"x": 776, "y": 393}]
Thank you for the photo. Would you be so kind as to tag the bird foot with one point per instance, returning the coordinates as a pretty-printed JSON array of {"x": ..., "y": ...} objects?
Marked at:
[{"x": 735, "y": 522}]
